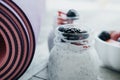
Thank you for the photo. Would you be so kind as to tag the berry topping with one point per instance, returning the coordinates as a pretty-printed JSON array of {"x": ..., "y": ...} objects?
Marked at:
[
  {"x": 62, "y": 29},
  {"x": 72, "y": 33},
  {"x": 104, "y": 36},
  {"x": 72, "y": 30},
  {"x": 72, "y": 13}
]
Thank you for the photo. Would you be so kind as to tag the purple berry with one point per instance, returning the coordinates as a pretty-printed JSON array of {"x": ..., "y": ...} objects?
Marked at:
[
  {"x": 104, "y": 36},
  {"x": 72, "y": 13},
  {"x": 62, "y": 29}
]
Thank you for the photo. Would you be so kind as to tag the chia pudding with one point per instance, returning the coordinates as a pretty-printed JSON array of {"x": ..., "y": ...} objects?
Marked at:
[{"x": 70, "y": 58}]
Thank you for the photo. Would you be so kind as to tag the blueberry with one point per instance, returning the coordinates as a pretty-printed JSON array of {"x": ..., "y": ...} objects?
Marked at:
[
  {"x": 104, "y": 36},
  {"x": 62, "y": 29},
  {"x": 72, "y": 13}
]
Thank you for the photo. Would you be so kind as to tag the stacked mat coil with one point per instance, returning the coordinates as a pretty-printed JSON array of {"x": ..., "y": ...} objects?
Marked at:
[{"x": 17, "y": 41}]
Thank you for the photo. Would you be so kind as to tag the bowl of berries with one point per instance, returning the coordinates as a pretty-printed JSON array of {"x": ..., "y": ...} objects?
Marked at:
[{"x": 107, "y": 44}]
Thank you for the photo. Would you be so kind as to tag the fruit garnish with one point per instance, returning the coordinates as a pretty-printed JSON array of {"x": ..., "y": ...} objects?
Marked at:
[{"x": 104, "y": 36}]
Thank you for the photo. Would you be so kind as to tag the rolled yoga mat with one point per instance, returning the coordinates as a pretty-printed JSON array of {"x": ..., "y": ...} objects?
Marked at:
[{"x": 17, "y": 41}]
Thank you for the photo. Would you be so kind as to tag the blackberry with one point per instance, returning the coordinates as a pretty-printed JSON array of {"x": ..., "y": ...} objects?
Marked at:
[{"x": 104, "y": 36}]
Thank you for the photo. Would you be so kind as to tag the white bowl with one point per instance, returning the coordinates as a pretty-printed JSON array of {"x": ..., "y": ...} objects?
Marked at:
[{"x": 109, "y": 54}]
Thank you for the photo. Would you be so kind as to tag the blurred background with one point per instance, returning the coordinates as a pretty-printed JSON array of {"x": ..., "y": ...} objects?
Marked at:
[{"x": 97, "y": 14}]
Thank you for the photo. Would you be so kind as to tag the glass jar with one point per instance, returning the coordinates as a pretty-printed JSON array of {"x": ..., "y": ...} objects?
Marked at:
[{"x": 70, "y": 61}]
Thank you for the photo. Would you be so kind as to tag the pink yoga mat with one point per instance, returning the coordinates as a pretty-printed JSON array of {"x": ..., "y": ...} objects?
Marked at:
[{"x": 17, "y": 40}]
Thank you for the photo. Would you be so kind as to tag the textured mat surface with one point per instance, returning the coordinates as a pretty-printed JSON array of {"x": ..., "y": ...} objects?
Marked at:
[{"x": 17, "y": 41}]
